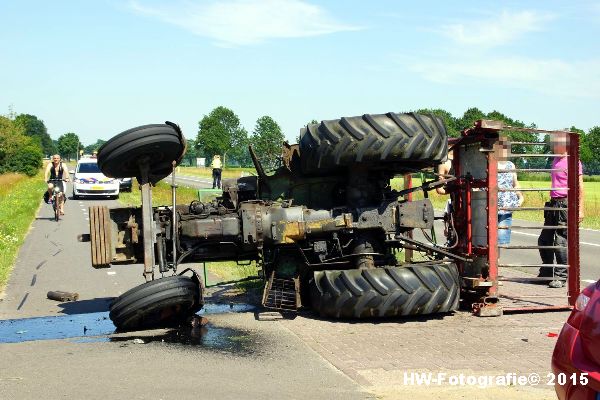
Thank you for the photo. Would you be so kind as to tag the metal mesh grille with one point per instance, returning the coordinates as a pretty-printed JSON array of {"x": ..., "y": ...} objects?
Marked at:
[{"x": 280, "y": 294}]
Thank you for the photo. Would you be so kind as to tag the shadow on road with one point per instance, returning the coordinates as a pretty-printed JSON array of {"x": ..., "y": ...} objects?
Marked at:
[{"x": 86, "y": 306}]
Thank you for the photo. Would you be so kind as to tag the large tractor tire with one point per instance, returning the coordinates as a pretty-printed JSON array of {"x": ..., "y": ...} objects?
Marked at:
[
  {"x": 391, "y": 140},
  {"x": 386, "y": 292},
  {"x": 160, "y": 303},
  {"x": 158, "y": 145}
]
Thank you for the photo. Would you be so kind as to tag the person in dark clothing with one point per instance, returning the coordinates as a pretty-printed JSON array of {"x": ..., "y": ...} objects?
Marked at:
[
  {"x": 56, "y": 170},
  {"x": 558, "y": 199}
]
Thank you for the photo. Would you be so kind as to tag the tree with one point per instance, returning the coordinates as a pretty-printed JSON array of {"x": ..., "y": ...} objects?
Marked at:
[
  {"x": 18, "y": 152},
  {"x": 94, "y": 146},
  {"x": 469, "y": 117},
  {"x": 590, "y": 148},
  {"x": 450, "y": 122},
  {"x": 191, "y": 153},
  {"x": 220, "y": 132},
  {"x": 520, "y": 136},
  {"x": 35, "y": 128},
  {"x": 267, "y": 140},
  {"x": 68, "y": 144}
]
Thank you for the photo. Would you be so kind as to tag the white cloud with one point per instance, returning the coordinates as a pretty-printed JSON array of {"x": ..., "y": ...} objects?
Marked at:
[
  {"x": 552, "y": 76},
  {"x": 245, "y": 22},
  {"x": 497, "y": 30}
]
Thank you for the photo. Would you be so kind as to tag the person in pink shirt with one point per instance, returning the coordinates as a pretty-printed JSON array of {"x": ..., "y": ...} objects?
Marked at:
[{"x": 558, "y": 199}]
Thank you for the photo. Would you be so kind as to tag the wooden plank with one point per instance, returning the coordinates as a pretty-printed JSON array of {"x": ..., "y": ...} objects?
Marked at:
[
  {"x": 107, "y": 235},
  {"x": 93, "y": 238},
  {"x": 98, "y": 235},
  {"x": 101, "y": 254}
]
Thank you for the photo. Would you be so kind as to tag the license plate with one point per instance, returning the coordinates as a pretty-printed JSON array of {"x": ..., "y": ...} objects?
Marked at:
[{"x": 97, "y": 187}]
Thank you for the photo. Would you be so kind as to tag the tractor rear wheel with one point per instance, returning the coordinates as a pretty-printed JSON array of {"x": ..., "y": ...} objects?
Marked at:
[
  {"x": 389, "y": 140},
  {"x": 386, "y": 292}
]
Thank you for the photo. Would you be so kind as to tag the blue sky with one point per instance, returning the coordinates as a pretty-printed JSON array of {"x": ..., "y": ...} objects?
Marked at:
[{"x": 97, "y": 68}]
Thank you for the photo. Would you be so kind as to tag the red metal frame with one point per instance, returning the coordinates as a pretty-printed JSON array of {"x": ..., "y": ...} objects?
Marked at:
[
  {"x": 486, "y": 133},
  {"x": 573, "y": 219},
  {"x": 492, "y": 214}
]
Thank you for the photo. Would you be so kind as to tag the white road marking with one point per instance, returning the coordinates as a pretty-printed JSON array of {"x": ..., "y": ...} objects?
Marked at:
[
  {"x": 537, "y": 235},
  {"x": 588, "y": 281},
  {"x": 111, "y": 273}
]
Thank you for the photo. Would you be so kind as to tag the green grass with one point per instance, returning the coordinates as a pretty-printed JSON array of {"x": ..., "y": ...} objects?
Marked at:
[
  {"x": 591, "y": 203},
  {"x": 161, "y": 195},
  {"x": 19, "y": 201},
  {"x": 230, "y": 271},
  {"x": 532, "y": 199},
  {"x": 206, "y": 172},
  {"x": 225, "y": 271}
]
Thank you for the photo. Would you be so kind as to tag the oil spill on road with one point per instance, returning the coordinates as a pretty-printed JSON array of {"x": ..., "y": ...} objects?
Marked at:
[
  {"x": 96, "y": 326},
  {"x": 210, "y": 337},
  {"x": 60, "y": 327},
  {"x": 220, "y": 308}
]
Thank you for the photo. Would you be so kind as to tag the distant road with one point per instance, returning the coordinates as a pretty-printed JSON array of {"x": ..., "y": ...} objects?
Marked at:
[
  {"x": 194, "y": 182},
  {"x": 589, "y": 248}
]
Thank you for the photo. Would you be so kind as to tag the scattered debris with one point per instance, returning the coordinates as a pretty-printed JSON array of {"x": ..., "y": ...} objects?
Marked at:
[
  {"x": 62, "y": 296},
  {"x": 138, "y": 341},
  {"x": 269, "y": 316},
  {"x": 197, "y": 321}
]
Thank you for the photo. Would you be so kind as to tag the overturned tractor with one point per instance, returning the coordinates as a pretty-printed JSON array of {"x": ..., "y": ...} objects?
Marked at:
[{"x": 326, "y": 228}]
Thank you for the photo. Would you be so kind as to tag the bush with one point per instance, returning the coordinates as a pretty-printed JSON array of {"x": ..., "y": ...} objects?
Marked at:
[
  {"x": 27, "y": 159},
  {"x": 18, "y": 153}
]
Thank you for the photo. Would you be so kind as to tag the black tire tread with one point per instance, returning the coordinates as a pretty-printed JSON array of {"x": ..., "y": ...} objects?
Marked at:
[
  {"x": 385, "y": 292},
  {"x": 140, "y": 307},
  {"x": 160, "y": 143},
  {"x": 374, "y": 139}
]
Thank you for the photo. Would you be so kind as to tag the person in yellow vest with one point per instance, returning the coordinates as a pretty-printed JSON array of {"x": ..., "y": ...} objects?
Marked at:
[{"x": 217, "y": 167}]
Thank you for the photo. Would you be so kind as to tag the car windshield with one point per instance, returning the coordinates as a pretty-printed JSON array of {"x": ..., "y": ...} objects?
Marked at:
[{"x": 88, "y": 168}]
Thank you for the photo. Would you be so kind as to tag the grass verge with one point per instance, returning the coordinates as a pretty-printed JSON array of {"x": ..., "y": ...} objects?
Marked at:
[
  {"x": 161, "y": 195},
  {"x": 206, "y": 172},
  {"x": 19, "y": 201},
  {"x": 532, "y": 199},
  {"x": 230, "y": 271}
]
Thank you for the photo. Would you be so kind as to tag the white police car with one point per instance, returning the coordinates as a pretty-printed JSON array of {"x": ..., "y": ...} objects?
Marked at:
[{"x": 90, "y": 181}]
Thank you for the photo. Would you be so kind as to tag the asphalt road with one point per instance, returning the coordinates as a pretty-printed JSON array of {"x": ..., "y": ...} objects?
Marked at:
[
  {"x": 235, "y": 356},
  {"x": 192, "y": 181}
]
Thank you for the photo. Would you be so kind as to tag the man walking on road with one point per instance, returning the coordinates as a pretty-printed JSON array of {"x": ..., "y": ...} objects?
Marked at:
[
  {"x": 558, "y": 199},
  {"x": 216, "y": 171}
]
